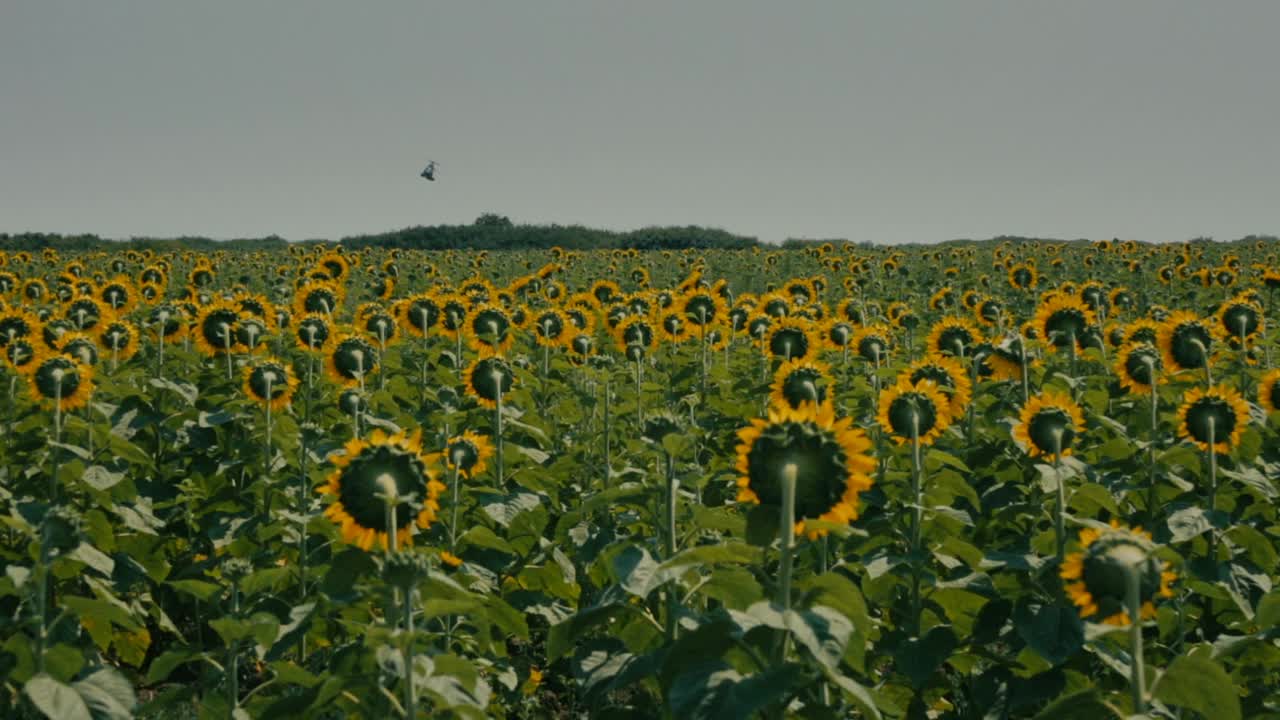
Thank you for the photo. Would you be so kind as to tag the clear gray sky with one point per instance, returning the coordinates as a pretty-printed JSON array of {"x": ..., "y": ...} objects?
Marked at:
[{"x": 887, "y": 121}]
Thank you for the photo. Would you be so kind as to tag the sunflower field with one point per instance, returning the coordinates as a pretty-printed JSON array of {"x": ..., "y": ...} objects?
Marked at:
[{"x": 977, "y": 480}]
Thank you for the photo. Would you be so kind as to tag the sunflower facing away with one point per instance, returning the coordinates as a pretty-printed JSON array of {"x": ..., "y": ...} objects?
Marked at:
[
  {"x": 58, "y": 379},
  {"x": 920, "y": 408},
  {"x": 1138, "y": 366},
  {"x": 488, "y": 377},
  {"x": 349, "y": 358},
  {"x": 1049, "y": 422},
  {"x": 950, "y": 377},
  {"x": 953, "y": 336},
  {"x": 1096, "y": 574},
  {"x": 1219, "y": 412},
  {"x": 269, "y": 381},
  {"x": 832, "y": 460},
  {"x": 800, "y": 381},
  {"x": 1269, "y": 391},
  {"x": 468, "y": 453},
  {"x": 1063, "y": 319},
  {"x": 1186, "y": 341}
]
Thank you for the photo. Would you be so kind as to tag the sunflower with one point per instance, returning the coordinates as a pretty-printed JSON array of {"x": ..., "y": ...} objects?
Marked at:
[
  {"x": 269, "y": 381},
  {"x": 1062, "y": 320},
  {"x": 79, "y": 346},
  {"x": 1098, "y": 574},
  {"x": 453, "y": 315},
  {"x": 953, "y": 336},
  {"x": 349, "y": 358},
  {"x": 1219, "y": 413},
  {"x": 1142, "y": 330},
  {"x": 366, "y": 473},
  {"x": 1049, "y": 422},
  {"x": 20, "y": 353},
  {"x": 380, "y": 325},
  {"x": 831, "y": 458},
  {"x": 313, "y": 332},
  {"x": 1269, "y": 391},
  {"x": 1138, "y": 366},
  {"x": 467, "y": 453},
  {"x": 1240, "y": 319},
  {"x": 988, "y": 311},
  {"x": 872, "y": 343},
  {"x": 942, "y": 300},
  {"x": 215, "y": 328},
  {"x": 800, "y": 381},
  {"x": 334, "y": 265},
  {"x": 634, "y": 332},
  {"x": 1024, "y": 277},
  {"x": 950, "y": 377},
  {"x": 551, "y": 328},
  {"x": 920, "y": 407},
  {"x": 59, "y": 379},
  {"x": 489, "y": 377},
  {"x": 838, "y": 334},
  {"x": 17, "y": 323},
  {"x": 120, "y": 338},
  {"x": 792, "y": 338},
  {"x": 85, "y": 312},
  {"x": 1186, "y": 341},
  {"x": 673, "y": 326},
  {"x": 605, "y": 292},
  {"x": 251, "y": 332},
  {"x": 317, "y": 296},
  {"x": 200, "y": 276},
  {"x": 34, "y": 290}
]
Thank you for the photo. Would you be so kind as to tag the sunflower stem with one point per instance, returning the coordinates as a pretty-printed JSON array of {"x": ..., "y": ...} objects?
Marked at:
[
  {"x": 608, "y": 469},
  {"x": 55, "y": 455},
  {"x": 1059, "y": 522},
  {"x": 497, "y": 433},
  {"x": 1213, "y": 493},
  {"x": 917, "y": 517},
  {"x": 1137, "y": 671},
  {"x": 1151, "y": 447},
  {"x": 673, "y": 487},
  {"x": 786, "y": 538}
]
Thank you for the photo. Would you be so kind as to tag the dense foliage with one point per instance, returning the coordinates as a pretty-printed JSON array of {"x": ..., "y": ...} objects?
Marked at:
[{"x": 985, "y": 480}]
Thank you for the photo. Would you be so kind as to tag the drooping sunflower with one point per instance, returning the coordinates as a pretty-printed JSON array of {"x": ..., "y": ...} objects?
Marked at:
[
  {"x": 453, "y": 315},
  {"x": 838, "y": 334},
  {"x": 800, "y": 381},
  {"x": 268, "y": 381},
  {"x": 1049, "y": 421},
  {"x": 1097, "y": 574},
  {"x": 1138, "y": 366},
  {"x": 988, "y": 311},
  {"x": 1186, "y": 341},
  {"x": 370, "y": 474},
  {"x": 920, "y": 408},
  {"x": 490, "y": 327},
  {"x": 251, "y": 332},
  {"x": 1142, "y": 330},
  {"x": 468, "y": 453},
  {"x": 1063, "y": 319},
  {"x": 313, "y": 332},
  {"x": 59, "y": 379},
  {"x": 488, "y": 377},
  {"x": 1269, "y": 391},
  {"x": 953, "y": 336},
  {"x": 950, "y": 377},
  {"x": 1240, "y": 319},
  {"x": 215, "y": 328},
  {"x": 420, "y": 313},
  {"x": 120, "y": 338},
  {"x": 792, "y": 338},
  {"x": 831, "y": 458},
  {"x": 349, "y": 358},
  {"x": 1219, "y": 413}
]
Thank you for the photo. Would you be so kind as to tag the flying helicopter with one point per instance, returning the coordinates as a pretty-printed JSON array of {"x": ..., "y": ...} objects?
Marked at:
[{"x": 430, "y": 171}]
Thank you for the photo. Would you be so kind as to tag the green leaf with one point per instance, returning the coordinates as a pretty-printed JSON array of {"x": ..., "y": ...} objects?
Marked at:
[
  {"x": 562, "y": 636},
  {"x": 56, "y": 700},
  {"x": 918, "y": 658},
  {"x": 108, "y": 694},
  {"x": 762, "y": 525},
  {"x": 1199, "y": 684},
  {"x": 481, "y": 536},
  {"x": 199, "y": 589},
  {"x": 1187, "y": 523},
  {"x": 1054, "y": 632},
  {"x": 167, "y": 662},
  {"x": 1084, "y": 704}
]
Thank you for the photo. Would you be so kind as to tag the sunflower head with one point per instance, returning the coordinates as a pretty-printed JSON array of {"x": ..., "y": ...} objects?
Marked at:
[
  {"x": 348, "y": 358},
  {"x": 1049, "y": 423},
  {"x": 370, "y": 475},
  {"x": 800, "y": 381},
  {"x": 488, "y": 378},
  {"x": 1213, "y": 418},
  {"x": 1138, "y": 366},
  {"x": 830, "y": 457},
  {"x": 60, "y": 380},
  {"x": 1240, "y": 318},
  {"x": 352, "y": 402},
  {"x": 950, "y": 377},
  {"x": 1097, "y": 576},
  {"x": 313, "y": 332},
  {"x": 953, "y": 336},
  {"x": 918, "y": 409},
  {"x": 490, "y": 327},
  {"x": 1186, "y": 341},
  {"x": 1269, "y": 391},
  {"x": 468, "y": 453},
  {"x": 1064, "y": 319},
  {"x": 269, "y": 382},
  {"x": 791, "y": 338}
]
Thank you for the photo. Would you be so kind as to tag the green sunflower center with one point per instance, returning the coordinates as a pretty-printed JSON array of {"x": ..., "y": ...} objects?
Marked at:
[
  {"x": 57, "y": 378},
  {"x": 909, "y": 406},
  {"x": 821, "y": 466},
  {"x": 1046, "y": 426},
  {"x": 1211, "y": 409}
]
